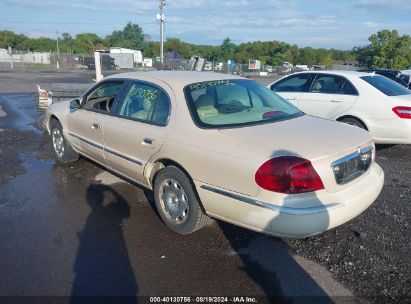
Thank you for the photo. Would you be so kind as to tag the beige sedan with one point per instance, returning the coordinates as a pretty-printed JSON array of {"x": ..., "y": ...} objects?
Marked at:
[{"x": 221, "y": 146}]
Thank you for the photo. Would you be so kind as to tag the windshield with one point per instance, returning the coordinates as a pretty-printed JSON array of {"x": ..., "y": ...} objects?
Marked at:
[
  {"x": 386, "y": 85},
  {"x": 230, "y": 103}
]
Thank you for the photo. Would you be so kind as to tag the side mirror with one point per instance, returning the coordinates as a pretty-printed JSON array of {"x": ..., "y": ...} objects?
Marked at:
[{"x": 74, "y": 104}]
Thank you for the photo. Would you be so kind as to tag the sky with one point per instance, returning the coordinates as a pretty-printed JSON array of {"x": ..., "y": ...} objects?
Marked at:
[{"x": 340, "y": 24}]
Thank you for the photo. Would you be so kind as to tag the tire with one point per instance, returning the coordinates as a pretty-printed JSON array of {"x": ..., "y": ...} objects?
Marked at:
[
  {"x": 354, "y": 122},
  {"x": 61, "y": 147},
  {"x": 176, "y": 201}
]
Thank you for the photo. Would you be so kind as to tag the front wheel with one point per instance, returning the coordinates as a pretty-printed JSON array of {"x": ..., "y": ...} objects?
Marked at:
[
  {"x": 62, "y": 148},
  {"x": 176, "y": 201}
]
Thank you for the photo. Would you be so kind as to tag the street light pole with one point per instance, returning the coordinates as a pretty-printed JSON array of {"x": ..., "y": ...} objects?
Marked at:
[{"x": 161, "y": 18}]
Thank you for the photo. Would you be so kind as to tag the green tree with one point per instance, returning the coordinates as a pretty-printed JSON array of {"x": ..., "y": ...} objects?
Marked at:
[
  {"x": 208, "y": 51},
  {"x": 131, "y": 36},
  {"x": 9, "y": 38},
  {"x": 42, "y": 44},
  {"x": 87, "y": 43},
  {"x": 66, "y": 43},
  {"x": 387, "y": 49},
  {"x": 227, "y": 50},
  {"x": 176, "y": 45},
  {"x": 151, "y": 49},
  {"x": 277, "y": 59},
  {"x": 326, "y": 59}
]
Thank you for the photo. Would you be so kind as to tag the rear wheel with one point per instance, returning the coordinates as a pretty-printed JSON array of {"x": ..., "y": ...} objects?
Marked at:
[
  {"x": 62, "y": 148},
  {"x": 354, "y": 122},
  {"x": 176, "y": 201}
]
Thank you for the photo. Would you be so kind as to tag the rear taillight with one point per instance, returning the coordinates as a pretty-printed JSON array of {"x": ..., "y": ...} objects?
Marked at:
[
  {"x": 288, "y": 174},
  {"x": 402, "y": 112}
]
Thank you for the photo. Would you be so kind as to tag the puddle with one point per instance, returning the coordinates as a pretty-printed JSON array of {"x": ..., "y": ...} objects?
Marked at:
[
  {"x": 21, "y": 107},
  {"x": 32, "y": 163},
  {"x": 17, "y": 194}
]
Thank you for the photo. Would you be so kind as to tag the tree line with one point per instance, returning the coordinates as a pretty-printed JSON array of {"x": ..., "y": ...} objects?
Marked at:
[{"x": 387, "y": 49}]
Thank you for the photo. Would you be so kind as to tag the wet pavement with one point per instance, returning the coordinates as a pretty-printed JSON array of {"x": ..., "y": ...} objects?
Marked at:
[{"x": 76, "y": 229}]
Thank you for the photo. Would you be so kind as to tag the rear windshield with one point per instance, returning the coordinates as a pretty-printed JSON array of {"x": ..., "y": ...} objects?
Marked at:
[
  {"x": 231, "y": 103},
  {"x": 386, "y": 85}
]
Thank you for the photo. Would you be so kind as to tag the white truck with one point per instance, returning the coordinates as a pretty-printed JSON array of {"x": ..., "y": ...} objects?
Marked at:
[{"x": 137, "y": 55}]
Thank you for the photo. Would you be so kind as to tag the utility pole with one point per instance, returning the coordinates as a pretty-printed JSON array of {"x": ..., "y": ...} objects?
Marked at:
[
  {"x": 160, "y": 17},
  {"x": 58, "y": 51}
]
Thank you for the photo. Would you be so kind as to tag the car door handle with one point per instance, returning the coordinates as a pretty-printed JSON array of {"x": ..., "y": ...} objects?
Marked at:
[
  {"x": 96, "y": 126},
  {"x": 148, "y": 142},
  {"x": 337, "y": 100},
  {"x": 291, "y": 98}
]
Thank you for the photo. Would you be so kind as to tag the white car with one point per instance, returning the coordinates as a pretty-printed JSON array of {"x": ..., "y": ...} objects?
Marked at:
[
  {"x": 223, "y": 146},
  {"x": 369, "y": 101}
]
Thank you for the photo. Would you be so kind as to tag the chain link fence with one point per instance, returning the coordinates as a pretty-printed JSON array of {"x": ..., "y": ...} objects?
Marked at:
[
  {"x": 117, "y": 62},
  {"x": 52, "y": 61}
]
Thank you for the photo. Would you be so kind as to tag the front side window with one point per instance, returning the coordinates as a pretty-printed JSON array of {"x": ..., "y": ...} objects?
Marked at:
[
  {"x": 102, "y": 98},
  {"x": 386, "y": 85},
  {"x": 231, "y": 103},
  {"x": 294, "y": 83},
  {"x": 146, "y": 103}
]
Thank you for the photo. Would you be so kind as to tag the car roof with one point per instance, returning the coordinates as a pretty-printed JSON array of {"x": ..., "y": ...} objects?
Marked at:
[
  {"x": 336, "y": 72},
  {"x": 175, "y": 78},
  {"x": 380, "y": 70}
]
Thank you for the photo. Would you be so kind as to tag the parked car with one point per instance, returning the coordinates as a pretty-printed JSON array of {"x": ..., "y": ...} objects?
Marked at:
[
  {"x": 222, "y": 146},
  {"x": 107, "y": 62},
  {"x": 219, "y": 66},
  {"x": 396, "y": 75},
  {"x": 369, "y": 101},
  {"x": 267, "y": 68}
]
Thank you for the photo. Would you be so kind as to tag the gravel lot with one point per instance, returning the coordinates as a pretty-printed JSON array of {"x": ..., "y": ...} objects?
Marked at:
[{"x": 368, "y": 257}]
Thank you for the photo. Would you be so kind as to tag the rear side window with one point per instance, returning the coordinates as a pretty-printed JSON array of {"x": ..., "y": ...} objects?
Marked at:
[
  {"x": 146, "y": 103},
  {"x": 386, "y": 86},
  {"x": 332, "y": 84},
  {"x": 327, "y": 84},
  {"x": 348, "y": 89},
  {"x": 294, "y": 83}
]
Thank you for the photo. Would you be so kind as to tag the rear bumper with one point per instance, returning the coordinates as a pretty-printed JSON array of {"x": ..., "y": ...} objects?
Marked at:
[
  {"x": 393, "y": 131},
  {"x": 292, "y": 222}
]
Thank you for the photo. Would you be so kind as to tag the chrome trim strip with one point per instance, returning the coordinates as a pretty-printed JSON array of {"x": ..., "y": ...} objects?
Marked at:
[
  {"x": 92, "y": 143},
  {"x": 281, "y": 209},
  {"x": 351, "y": 156},
  {"x": 126, "y": 157}
]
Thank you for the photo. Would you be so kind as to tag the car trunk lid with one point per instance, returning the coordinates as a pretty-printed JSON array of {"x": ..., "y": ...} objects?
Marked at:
[{"x": 318, "y": 140}]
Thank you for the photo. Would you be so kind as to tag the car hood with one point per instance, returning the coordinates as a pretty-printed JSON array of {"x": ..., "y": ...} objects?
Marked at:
[
  {"x": 59, "y": 106},
  {"x": 306, "y": 136}
]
